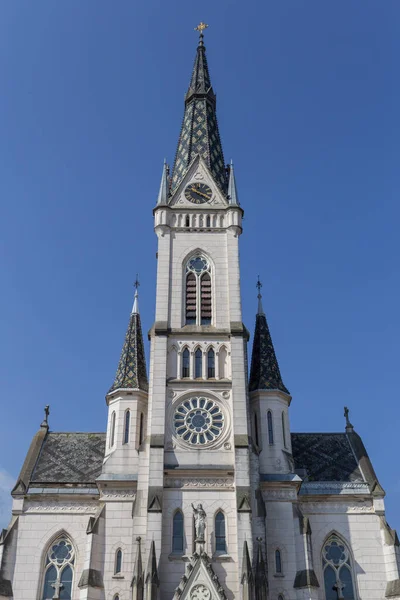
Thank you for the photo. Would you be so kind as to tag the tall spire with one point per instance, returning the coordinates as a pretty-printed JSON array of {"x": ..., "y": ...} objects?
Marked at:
[
  {"x": 131, "y": 372},
  {"x": 232, "y": 190},
  {"x": 264, "y": 372},
  {"x": 261, "y": 581},
  {"x": 164, "y": 186},
  {"x": 199, "y": 133}
]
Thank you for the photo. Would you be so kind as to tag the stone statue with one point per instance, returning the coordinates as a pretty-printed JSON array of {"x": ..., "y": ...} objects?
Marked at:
[{"x": 199, "y": 522}]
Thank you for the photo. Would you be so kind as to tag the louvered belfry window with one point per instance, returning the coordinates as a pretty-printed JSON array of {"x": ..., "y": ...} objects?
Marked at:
[
  {"x": 205, "y": 299},
  {"x": 191, "y": 299},
  {"x": 198, "y": 309}
]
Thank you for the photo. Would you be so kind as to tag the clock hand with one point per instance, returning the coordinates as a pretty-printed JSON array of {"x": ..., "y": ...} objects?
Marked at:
[{"x": 200, "y": 193}]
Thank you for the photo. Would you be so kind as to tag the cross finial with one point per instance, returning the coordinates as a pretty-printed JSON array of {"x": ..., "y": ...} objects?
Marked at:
[
  {"x": 200, "y": 28},
  {"x": 349, "y": 426},
  {"x": 135, "y": 307},
  {"x": 45, "y": 422},
  {"x": 260, "y": 310}
]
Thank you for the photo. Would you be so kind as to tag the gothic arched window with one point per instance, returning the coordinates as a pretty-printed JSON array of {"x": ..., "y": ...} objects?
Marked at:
[
  {"x": 220, "y": 535},
  {"x": 338, "y": 571},
  {"x": 59, "y": 570},
  {"x": 211, "y": 364},
  {"x": 256, "y": 429},
  {"x": 141, "y": 429},
  {"x": 177, "y": 533},
  {"x": 186, "y": 363},
  {"x": 112, "y": 430},
  {"x": 278, "y": 562},
  {"x": 118, "y": 562},
  {"x": 208, "y": 221},
  {"x": 283, "y": 429},
  {"x": 198, "y": 309},
  {"x": 270, "y": 428},
  {"x": 191, "y": 299},
  {"x": 198, "y": 363},
  {"x": 126, "y": 426}
]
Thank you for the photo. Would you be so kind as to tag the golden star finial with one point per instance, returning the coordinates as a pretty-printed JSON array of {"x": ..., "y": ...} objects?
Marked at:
[{"x": 201, "y": 27}]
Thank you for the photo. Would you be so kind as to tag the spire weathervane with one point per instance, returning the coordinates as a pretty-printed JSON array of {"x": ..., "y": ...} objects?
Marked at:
[
  {"x": 135, "y": 307},
  {"x": 200, "y": 28},
  {"x": 260, "y": 310}
]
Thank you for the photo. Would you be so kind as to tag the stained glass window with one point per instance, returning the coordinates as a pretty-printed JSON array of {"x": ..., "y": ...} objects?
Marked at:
[
  {"x": 198, "y": 421},
  {"x": 177, "y": 533},
  {"x": 220, "y": 536},
  {"x": 59, "y": 571},
  {"x": 338, "y": 575}
]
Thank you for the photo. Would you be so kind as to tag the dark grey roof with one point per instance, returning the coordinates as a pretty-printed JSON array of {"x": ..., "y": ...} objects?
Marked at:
[
  {"x": 199, "y": 132},
  {"x": 325, "y": 456},
  {"x": 131, "y": 372},
  {"x": 264, "y": 371},
  {"x": 70, "y": 458}
]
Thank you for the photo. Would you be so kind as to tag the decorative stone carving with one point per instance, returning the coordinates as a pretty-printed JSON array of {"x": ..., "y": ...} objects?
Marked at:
[
  {"x": 118, "y": 495},
  {"x": 337, "y": 507},
  {"x": 200, "y": 483},
  {"x": 200, "y": 592},
  {"x": 199, "y": 522},
  {"x": 64, "y": 507}
]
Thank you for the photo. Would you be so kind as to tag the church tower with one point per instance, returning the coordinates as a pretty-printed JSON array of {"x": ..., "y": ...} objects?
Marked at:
[
  {"x": 198, "y": 425},
  {"x": 198, "y": 490}
]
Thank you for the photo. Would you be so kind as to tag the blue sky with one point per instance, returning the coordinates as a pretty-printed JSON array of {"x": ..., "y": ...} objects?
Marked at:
[{"x": 91, "y": 102}]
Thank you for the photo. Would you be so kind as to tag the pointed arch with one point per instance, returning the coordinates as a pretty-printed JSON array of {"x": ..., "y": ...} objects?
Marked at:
[
  {"x": 278, "y": 562},
  {"x": 284, "y": 429},
  {"x": 223, "y": 362},
  {"x": 338, "y": 568},
  {"x": 198, "y": 363},
  {"x": 118, "y": 562},
  {"x": 185, "y": 362},
  {"x": 58, "y": 563},
  {"x": 127, "y": 424},
  {"x": 211, "y": 364},
  {"x": 177, "y": 532},
  {"x": 112, "y": 429},
  {"x": 270, "y": 428},
  {"x": 141, "y": 429},
  {"x": 220, "y": 532},
  {"x": 197, "y": 271}
]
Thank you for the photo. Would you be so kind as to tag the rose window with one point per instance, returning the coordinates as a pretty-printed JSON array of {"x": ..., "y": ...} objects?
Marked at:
[{"x": 198, "y": 421}]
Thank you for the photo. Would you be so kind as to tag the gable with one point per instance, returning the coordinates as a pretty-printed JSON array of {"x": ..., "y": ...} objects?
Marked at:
[{"x": 198, "y": 172}]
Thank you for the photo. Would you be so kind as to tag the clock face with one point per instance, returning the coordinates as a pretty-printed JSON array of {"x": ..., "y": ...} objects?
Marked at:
[{"x": 198, "y": 193}]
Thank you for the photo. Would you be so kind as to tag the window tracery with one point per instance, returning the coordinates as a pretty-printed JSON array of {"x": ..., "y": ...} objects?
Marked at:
[
  {"x": 198, "y": 421},
  {"x": 59, "y": 570},
  {"x": 338, "y": 571},
  {"x": 198, "y": 309}
]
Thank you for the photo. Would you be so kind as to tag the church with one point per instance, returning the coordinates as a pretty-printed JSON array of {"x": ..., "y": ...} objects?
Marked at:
[{"x": 197, "y": 489}]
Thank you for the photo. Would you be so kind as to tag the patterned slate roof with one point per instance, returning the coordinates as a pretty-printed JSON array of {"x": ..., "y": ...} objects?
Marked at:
[
  {"x": 131, "y": 372},
  {"x": 70, "y": 458},
  {"x": 264, "y": 371},
  {"x": 325, "y": 456},
  {"x": 199, "y": 132}
]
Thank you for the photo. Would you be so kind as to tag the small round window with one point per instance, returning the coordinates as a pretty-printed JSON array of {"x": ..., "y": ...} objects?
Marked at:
[
  {"x": 198, "y": 421},
  {"x": 198, "y": 264}
]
